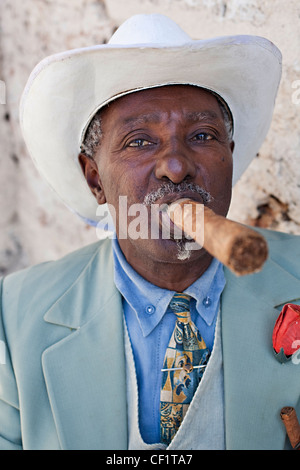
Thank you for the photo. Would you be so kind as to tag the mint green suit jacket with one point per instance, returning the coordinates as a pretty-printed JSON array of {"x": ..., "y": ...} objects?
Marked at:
[{"x": 62, "y": 380}]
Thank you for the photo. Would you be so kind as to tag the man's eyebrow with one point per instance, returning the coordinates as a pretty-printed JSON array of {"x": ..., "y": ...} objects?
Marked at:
[
  {"x": 195, "y": 116},
  {"x": 202, "y": 115},
  {"x": 141, "y": 119}
]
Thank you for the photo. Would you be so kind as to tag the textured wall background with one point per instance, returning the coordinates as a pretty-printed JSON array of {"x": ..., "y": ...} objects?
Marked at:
[{"x": 34, "y": 225}]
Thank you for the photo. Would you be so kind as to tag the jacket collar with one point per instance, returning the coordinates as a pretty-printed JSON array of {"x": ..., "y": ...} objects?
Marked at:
[
  {"x": 78, "y": 304},
  {"x": 271, "y": 289}
]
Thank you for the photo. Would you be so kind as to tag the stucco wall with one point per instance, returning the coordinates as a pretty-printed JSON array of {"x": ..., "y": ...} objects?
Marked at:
[{"x": 34, "y": 225}]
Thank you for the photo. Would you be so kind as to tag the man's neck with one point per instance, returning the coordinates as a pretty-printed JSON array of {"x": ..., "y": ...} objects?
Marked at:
[{"x": 175, "y": 276}]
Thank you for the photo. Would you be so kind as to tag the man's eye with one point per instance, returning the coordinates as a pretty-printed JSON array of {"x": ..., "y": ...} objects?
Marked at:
[
  {"x": 139, "y": 143},
  {"x": 202, "y": 136}
]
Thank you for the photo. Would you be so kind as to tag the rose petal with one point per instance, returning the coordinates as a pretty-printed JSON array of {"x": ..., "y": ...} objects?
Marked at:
[{"x": 287, "y": 330}]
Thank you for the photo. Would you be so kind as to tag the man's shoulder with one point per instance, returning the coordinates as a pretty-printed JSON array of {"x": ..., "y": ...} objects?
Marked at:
[
  {"x": 277, "y": 236},
  {"x": 45, "y": 281},
  {"x": 284, "y": 249},
  {"x": 73, "y": 260},
  {"x": 278, "y": 239}
]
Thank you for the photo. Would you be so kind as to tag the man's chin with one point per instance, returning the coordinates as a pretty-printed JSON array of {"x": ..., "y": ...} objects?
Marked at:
[
  {"x": 184, "y": 250},
  {"x": 175, "y": 250}
]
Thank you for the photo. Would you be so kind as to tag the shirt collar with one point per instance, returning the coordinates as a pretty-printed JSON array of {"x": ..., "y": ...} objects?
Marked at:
[{"x": 150, "y": 302}]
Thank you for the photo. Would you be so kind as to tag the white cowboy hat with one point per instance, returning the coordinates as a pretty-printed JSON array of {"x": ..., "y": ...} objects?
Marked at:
[{"x": 65, "y": 90}]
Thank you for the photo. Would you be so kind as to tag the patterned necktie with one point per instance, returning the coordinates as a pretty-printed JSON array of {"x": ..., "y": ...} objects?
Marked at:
[{"x": 180, "y": 374}]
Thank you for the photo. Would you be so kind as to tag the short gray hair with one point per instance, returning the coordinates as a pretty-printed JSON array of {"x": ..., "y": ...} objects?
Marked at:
[
  {"x": 227, "y": 116},
  {"x": 93, "y": 135}
]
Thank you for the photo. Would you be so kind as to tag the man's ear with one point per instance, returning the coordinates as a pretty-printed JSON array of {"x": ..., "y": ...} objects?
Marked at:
[{"x": 91, "y": 174}]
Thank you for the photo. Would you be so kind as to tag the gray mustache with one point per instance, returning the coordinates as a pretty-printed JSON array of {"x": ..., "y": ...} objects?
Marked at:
[{"x": 172, "y": 188}]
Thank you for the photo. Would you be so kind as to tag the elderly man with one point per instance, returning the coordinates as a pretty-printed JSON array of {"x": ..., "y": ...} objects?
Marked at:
[{"x": 148, "y": 342}]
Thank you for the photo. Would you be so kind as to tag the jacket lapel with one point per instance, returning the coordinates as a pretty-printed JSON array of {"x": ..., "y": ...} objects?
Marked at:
[
  {"x": 85, "y": 370},
  {"x": 256, "y": 385}
]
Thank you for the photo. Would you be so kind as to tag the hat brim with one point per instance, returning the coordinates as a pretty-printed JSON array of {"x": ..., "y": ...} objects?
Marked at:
[{"x": 65, "y": 90}]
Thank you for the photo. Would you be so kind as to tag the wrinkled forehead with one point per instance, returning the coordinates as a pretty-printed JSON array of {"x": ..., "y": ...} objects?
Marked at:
[{"x": 124, "y": 98}]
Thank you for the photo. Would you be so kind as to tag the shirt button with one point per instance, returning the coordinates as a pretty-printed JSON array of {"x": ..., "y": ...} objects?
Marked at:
[
  {"x": 206, "y": 302},
  {"x": 150, "y": 309}
]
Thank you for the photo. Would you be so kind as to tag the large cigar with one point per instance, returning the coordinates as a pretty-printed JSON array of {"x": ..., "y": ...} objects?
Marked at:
[
  {"x": 238, "y": 247},
  {"x": 292, "y": 426}
]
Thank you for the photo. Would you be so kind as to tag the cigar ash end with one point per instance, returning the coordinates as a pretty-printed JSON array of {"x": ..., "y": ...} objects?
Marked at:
[{"x": 248, "y": 254}]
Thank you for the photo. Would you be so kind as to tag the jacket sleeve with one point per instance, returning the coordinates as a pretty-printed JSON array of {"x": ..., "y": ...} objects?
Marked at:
[{"x": 10, "y": 428}]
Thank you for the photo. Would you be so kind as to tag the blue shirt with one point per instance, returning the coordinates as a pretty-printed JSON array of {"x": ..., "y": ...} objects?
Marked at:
[{"x": 150, "y": 324}]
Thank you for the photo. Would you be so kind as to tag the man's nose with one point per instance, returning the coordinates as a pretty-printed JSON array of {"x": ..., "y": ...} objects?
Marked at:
[{"x": 175, "y": 164}]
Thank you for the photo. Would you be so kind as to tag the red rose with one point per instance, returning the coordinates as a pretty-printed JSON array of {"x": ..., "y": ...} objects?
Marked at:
[{"x": 286, "y": 334}]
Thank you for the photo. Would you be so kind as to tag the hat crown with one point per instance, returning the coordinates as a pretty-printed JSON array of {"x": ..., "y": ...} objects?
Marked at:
[{"x": 149, "y": 29}]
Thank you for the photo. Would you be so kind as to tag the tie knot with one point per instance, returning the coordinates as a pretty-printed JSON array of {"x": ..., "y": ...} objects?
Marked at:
[{"x": 180, "y": 304}]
